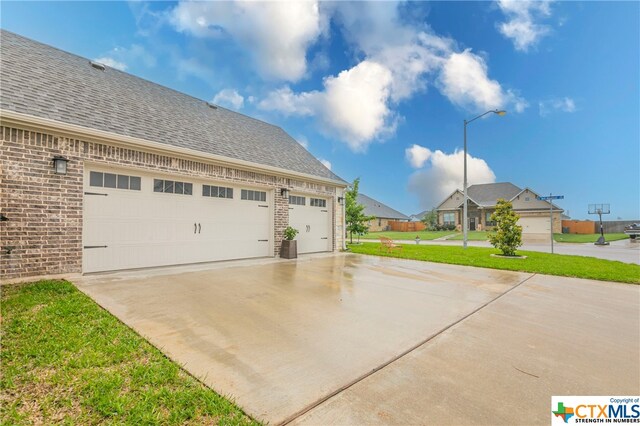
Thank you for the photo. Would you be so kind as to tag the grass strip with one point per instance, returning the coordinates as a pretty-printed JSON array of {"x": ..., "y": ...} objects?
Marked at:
[
  {"x": 536, "y": 262},
  {"x": 65, "y": 360}
]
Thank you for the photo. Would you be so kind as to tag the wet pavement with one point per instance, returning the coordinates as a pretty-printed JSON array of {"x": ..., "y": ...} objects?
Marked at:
[
  {"x": 349, "y": 339},
  {"x": 279, "y": 336}
]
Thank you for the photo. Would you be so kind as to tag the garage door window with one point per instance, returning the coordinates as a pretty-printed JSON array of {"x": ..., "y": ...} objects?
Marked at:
[
  {"x": 248, "y": 194},
  {"x": 217, "y": 191},
  {"x": 317, "y": 202},
  {"x": 297, "y": 200},
  {"x": 172, "y": 187},
  {"x": 112, "y": 180}
]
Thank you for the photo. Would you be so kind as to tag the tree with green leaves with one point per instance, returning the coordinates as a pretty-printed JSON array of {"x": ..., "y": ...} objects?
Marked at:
[
  {"x": 430, "y": 219},
  {"x": 355, "y": 218},
  {"x": 508, "y": 234}
]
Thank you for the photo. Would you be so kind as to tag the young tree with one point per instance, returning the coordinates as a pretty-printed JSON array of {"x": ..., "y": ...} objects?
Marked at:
[
  {"x": 355, "y": 217},
  {"x": 430, "y": 219},
  {"x": 508, "y": 234}
]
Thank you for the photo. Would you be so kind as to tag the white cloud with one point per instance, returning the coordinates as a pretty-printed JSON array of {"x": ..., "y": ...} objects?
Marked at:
[
  {"x": 276, "y": 33},
  {"x": 444, "y": 173},
  {"x": 521, "y": 26},
  {"x": 326, "y": 163},
  {"x": 417, "y": 155},
  {"x": 556, "y": 105},
  {"x": 353, "y": 104},
  {"x": 464, "y": 80},
  {"x": 398, "y": 61},
  {"x": 229, "y": 98},
  {"x": 110, "y": 62}
]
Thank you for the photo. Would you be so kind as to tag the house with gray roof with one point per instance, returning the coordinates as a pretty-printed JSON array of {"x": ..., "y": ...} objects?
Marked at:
[
  {"x": 103, "y": 170},
  {"x": 383, "y": 214},
  {"x": 535, "y": 214}
]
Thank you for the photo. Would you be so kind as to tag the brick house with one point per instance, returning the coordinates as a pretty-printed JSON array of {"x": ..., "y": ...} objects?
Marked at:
[
  {"x": 153, "y": 177},
  {"x": 383, "y": 214},
  {"x": 534, "y": 214}
]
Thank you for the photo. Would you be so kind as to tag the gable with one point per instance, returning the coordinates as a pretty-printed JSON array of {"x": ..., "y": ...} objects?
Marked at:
[
  {"x": 527, "y": 200},
  {"x": 452, "y": 202}
]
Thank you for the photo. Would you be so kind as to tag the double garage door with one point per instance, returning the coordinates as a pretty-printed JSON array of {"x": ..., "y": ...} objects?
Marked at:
[{"x": 136, "y": 220}]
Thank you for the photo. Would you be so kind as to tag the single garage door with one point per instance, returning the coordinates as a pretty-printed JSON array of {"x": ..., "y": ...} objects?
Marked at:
[
  {"x": 534, "y": 225},
  {"x": 311, "y": 216},
  {"x": 136, "y": 220}
]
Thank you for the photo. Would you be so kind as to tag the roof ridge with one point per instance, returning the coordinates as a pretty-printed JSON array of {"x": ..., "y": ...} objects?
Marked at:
[{"x": 138, "y": 77}]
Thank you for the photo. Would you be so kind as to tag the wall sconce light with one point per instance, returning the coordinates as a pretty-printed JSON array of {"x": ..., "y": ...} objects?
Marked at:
[
  {"x": 3, "y": 218},
  {"x": 341, "y": 200},
  {"x": 60, "y": 165},
  {"x": 284, "y": 192}
]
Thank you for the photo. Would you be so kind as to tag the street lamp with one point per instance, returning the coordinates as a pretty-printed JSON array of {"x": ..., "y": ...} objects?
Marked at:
[{"x": 465, "y": 219}]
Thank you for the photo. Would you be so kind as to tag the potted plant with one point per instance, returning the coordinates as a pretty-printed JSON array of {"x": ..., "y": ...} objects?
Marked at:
[{"x": 289, "y": 248}]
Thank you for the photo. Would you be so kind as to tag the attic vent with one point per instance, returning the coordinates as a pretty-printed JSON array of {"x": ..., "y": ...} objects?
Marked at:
[
  {"x": 212, "y": 106},
  {"x": 97, "y": 65}
]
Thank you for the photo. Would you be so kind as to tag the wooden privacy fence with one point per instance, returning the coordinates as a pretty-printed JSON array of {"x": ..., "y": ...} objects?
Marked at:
[
  {"x": 578, "y": 226},
  {"x": 406, "y": 226}
]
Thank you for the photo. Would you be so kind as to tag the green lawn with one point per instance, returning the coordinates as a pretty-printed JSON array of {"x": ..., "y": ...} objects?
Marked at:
[
  {"x": 543, "y": 263},
  {"x": 66, "y": 360},
  {"x": 397, "y": 235},
  {"x": 472, "y": 236},
  {"x": 587, "y": 238}
]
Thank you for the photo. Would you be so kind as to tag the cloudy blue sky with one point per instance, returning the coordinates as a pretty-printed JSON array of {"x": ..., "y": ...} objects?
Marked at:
[{"x": 379, "y": 90}]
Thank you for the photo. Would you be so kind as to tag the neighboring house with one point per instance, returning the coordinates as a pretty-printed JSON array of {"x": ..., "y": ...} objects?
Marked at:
[
  {"x": 153, "y": 177},
  {"x": 383, "y": 213},
  {"x": 534, "y": 214},
  {"x": 418, "y": 216}
]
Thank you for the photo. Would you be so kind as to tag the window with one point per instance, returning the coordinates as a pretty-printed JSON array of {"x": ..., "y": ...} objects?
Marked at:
[
  {"x": 526, "y": 198},
  {"x": 217, "y": 191},
  {"x": 449, "y": 218},
  {"x": 111, "y": 180},
  {"x": 172, "y": 187},
  {"x": 248, "y": 194},
  {"x": 317, "y": 202},
  {"x": 488, "y": 221},
  {"x": 298, "y": 201}
]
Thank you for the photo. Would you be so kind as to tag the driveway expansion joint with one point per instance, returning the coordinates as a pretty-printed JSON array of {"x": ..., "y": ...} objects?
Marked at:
[{"x": 338, "y": 391}]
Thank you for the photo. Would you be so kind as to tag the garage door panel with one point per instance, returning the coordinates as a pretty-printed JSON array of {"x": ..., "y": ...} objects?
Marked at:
[
  {"x": 143, "y": 228},
  {"x": 534, "y": 225},
  {"x": 313, "y": 225}
]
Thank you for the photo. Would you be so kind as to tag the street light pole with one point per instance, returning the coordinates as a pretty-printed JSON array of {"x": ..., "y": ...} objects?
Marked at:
[{"x": 465, "y": 218}]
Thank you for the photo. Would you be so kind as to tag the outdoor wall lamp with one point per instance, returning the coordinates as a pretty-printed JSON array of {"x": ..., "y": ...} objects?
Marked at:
[
  {"x": 3, "y": 218},
  {"x": 284, "y": 192},
  {"x": 60, "y": 165},
  {"x": 341, "y": 200}
]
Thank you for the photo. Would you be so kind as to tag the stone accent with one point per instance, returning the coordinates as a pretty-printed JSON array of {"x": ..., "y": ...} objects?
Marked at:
[{"x": 44, "y": 230}]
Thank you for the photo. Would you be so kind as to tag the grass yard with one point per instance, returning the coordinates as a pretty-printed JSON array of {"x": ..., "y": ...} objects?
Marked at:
[
  {"x": 543, "y": 263},
  {"x": 66, "y": 360},
  {"x": 397, "y": 235},
  {"x": 472, "y": 236},
  {"x": 587, "y": 238}
]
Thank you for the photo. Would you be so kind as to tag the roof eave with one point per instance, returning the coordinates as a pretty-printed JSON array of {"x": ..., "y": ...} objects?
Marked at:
[{"x": 73, "y": 130}]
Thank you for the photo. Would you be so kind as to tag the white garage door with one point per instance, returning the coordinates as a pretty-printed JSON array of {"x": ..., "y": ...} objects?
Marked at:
[
  {"x": 534, "y": 225},
  {"x": 136, "y": 220},
  {"x": 311, "y": 216}
]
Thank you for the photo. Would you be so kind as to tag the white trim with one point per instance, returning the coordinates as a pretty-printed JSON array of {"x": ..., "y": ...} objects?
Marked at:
[
  {"x": 533, "y": 192},
  {"x": 20, "y": 119}
]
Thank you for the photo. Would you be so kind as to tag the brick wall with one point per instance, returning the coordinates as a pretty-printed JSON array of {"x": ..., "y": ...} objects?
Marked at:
[{"x": 44, "y": 230}]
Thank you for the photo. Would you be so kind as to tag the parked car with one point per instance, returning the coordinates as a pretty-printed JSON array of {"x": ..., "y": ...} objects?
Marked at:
[{"x": 632, "y": 230}]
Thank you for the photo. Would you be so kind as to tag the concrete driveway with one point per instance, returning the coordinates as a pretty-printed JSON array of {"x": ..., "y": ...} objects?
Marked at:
[{"x": 355, "y": 339}]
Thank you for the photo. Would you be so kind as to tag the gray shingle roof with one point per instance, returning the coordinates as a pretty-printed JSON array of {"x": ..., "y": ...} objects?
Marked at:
[
  {"x": 376, "y": 208},
  {"x": 488, "y": 193},
  {"x": 42, "y": 81}
]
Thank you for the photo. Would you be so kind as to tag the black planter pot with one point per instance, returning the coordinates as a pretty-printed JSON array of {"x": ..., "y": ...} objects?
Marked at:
[{"x": 289, "y": 249}]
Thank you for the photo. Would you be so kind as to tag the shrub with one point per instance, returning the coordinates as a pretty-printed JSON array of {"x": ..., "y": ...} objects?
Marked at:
[
  {"x": 508, "y": 234},
  {"x": 290, "y": 233}
]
